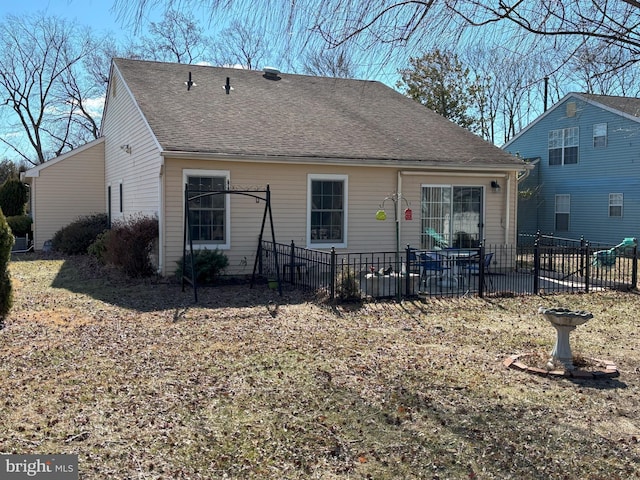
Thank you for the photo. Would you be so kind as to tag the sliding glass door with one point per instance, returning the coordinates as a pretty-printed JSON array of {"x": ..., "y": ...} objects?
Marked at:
[{"x": 451, "y": 216}]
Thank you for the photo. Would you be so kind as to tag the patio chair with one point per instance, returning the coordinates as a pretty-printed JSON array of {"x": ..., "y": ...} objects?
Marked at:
[
  {"x": 432, "y": 267},
  {"x": 473, "y": 268}
]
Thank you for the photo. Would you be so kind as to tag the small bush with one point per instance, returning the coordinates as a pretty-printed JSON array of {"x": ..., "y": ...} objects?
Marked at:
[
  {"x": 77, "y": 237},
  {"x": 208, "y": 264},
  {"x": 128, "y": 245},
  {"x": 347, "y": 286},
  {"x": 20, "y": 225},
  {"x": 6, "y": 291},
  {"x": 98, "y": 248}
]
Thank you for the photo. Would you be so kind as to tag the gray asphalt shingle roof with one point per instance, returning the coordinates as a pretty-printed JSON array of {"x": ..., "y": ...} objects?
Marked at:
[
  {"x": 628, "y": 105},
  {"x": 296, "y": 116}
]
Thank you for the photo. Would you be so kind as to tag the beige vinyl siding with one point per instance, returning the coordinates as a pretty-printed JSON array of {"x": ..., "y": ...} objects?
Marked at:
[
  {"x": 368, "y": 187},
  {"x": 67, "y": 189},
  {"x": 139, "y": 170}
]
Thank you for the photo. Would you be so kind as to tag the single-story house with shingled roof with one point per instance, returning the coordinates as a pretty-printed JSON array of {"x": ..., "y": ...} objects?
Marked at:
[{"x": 330, "y": 149}]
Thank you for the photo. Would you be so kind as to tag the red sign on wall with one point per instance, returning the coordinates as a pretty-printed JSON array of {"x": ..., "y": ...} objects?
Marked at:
[{"x": 408, "y": 214}]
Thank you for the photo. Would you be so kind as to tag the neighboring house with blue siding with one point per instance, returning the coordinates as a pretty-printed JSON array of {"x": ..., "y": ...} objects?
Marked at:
[{"x": 586, "y": 179}]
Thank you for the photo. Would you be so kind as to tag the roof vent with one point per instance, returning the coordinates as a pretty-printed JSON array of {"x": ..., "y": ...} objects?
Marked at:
[
  {"x": 190, "y": 83},
  {"x": 271, "y": 73}
]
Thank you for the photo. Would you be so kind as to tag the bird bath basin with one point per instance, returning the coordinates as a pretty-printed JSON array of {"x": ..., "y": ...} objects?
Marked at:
[{"x": 564, "y": 321}]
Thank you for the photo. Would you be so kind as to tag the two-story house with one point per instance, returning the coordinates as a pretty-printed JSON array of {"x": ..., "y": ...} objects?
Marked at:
[{"x": 586, "y": 179}]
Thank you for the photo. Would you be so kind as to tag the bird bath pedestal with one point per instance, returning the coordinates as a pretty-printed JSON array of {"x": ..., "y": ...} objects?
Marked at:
[{"x": 564, "y": 321}]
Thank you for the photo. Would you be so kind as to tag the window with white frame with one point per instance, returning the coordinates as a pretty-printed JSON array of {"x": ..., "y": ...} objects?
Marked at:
[
  {"x": 209, "y": 213},
  {"x": 563, "y": 146},
  {"x": 600, "y": 135},
  {"x": 327, "y": 210},
  {"x": 615, "y": 204},
  {"x": 451, "y": 216},
  {"x": 563, "y": 210}
]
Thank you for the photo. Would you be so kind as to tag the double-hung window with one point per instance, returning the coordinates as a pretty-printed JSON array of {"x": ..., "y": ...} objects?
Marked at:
[
  {"x": 208, "y": 210},
  {"x": 327, "y": 210},
  {"x": 615, "y": 204},
  {"x": 600, "y": 135},
  {"x": 563, "y": 146},
  {"x": 563, "y": 210}
]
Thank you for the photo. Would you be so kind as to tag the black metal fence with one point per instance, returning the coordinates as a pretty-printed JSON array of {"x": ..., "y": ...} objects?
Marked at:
[{"x": 543, "y": 265}]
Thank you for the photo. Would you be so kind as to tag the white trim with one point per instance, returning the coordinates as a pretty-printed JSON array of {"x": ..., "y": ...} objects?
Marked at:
[
  {"x": 606, "y": 135},
  {"x": 563, "y": 136},
  {"x": 613, "y": 203},
  {"x": 556, "y": 211},
  {"x": 187, "y": 172},
  {"x": 311, "y": 177},
  {"x": 483, "y": 207}
]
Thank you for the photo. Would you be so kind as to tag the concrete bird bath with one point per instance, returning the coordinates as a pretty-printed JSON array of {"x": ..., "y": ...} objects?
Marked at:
[{"x": 564, "y": 321}]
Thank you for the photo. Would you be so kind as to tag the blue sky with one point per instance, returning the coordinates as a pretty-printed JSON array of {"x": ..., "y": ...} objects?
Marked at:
[
  {"x": 91, "y": 13},
  {"x": 100, "y": 16}
]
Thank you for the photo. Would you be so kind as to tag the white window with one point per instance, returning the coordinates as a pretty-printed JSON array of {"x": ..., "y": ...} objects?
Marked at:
[
  {"x": 563, "y": 146},
  {"x": 600, "y": 135},
  {"x": 327, "y": 210},
  {"x": 209, "y": 212},
  {"x": 563, "y": 209},
  {"x": 615, "y": 204}
]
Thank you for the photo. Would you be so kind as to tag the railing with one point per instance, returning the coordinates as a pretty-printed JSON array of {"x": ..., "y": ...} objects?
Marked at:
[{"x": 537, "y": 268}]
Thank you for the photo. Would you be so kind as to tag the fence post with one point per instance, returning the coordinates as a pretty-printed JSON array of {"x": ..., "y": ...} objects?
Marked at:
[
  {"x": 582, "y": 257},
  {"x": 587, "y": 268},
  {"x": 634, "y": 268},
  {"x": 407, "y": 271},
  {"x": 332, "y": 275},
  {"x": 481, "y": 271},
  {"x": 292, "y": 263},
  {"x": 536, "y": 268}
]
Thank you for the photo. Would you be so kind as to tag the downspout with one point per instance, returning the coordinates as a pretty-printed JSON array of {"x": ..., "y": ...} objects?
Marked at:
[
  {"x": 399, "y": 206},
  {"x": 508, "y": 212},
  {"x": 161, "y": 211}
]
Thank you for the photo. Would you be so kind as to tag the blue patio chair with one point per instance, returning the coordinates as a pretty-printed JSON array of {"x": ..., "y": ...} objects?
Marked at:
[
  {"x": 432, "y": 267},
  {"x": 473, "y": 268}
]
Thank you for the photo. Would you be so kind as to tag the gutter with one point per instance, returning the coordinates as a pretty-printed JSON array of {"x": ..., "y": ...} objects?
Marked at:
[
  {"x": 527, "y": 171},
  {"x": 353, "y": 162}
]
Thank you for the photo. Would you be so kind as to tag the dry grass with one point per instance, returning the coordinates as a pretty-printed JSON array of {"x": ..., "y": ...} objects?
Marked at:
[{"x": 142, "y": 383}]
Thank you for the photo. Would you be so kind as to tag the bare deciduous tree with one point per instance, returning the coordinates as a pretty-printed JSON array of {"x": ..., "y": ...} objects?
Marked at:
[
  {"x": 177, "y": 38},
  {"x": 242, "y": 46},
  {"x": 45, "y": 99},
  {"x": 330, "y": 62},
  {"x": 397, "y": 22}
]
